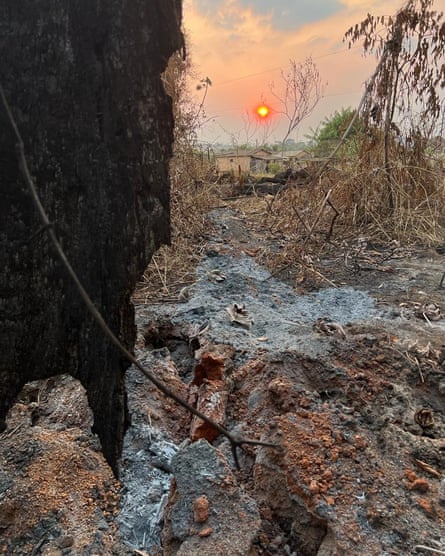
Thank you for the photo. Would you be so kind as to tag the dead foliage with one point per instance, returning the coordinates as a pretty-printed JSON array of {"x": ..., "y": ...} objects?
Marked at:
[
  {"x": 390, "y": 190},
  {"x": 348, "y": 201},
  {"x": 192, "y": 197},
  {"x": 359, "y": 204}
]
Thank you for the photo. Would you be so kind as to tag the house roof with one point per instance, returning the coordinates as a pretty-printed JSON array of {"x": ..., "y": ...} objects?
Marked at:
[
  {"x": 257, "y": 153},
  {"x": 297, "y": 154},
  {"x": 264, "y": 154}
]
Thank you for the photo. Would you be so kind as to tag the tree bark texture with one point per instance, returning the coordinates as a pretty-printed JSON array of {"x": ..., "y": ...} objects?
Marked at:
[{"x": 83, "y": 81}]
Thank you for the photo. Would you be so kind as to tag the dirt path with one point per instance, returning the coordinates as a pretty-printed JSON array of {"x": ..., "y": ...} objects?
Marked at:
[{"x": 339, "y": 378}]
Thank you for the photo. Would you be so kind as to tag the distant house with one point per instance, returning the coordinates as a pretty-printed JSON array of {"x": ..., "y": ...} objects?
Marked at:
[
  {"x": 246, "y": 162},
  {"x": 293, "y": 159}
]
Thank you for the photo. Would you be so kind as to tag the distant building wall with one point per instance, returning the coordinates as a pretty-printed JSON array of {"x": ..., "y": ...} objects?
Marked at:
[
  {"x": 233, "y": 163},
  {"x": 255, "y": 161},
  {"x": 258, "y": 165}
]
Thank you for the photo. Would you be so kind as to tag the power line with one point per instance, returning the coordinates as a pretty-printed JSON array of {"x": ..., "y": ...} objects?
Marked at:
[
  {"x": 241, "y": 77},
  {"x": 343, "y": 94},
  {"x": 247, "y": 76}
]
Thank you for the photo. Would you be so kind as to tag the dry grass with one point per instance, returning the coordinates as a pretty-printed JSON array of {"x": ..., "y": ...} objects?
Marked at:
[
  {"x": 348, "y": 201},
  {"x": 359, "y": 193},
  {"x": 351, "y": 200},
  {"x": 192, "y": 197}
]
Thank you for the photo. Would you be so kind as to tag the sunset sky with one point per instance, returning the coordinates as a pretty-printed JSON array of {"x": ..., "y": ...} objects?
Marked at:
[{"x": 242, "y": 46}]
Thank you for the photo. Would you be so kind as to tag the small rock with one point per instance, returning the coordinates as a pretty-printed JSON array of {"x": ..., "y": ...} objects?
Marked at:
[
  {"x": 328, "y": 475},
  {"x": 198, "y": 468},
  {"x": 314, "y": 487},
  {"x": 410, "y": 475},
  {"x": 201, "y": 509},
  {"x": 421, "y": 485},
  {"x": 426, "y": 506},
  {"x": 51, "y": 551},
  {"x": 65, "y": 542}
]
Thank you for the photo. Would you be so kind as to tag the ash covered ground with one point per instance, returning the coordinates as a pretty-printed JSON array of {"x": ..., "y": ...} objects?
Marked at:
[{"x": 347, "y": 381}]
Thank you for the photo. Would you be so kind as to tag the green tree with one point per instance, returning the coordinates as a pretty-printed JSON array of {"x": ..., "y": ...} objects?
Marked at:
[{"x": 331, "y": 130}]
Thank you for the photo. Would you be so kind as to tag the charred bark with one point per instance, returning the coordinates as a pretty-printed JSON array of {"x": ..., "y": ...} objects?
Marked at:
[{"x": 83, "y": 81}]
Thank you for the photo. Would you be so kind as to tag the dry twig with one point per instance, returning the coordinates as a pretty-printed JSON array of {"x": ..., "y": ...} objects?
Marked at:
[
  {"x": 428, "y": 549},
  {"x": 234, "y": 439}
]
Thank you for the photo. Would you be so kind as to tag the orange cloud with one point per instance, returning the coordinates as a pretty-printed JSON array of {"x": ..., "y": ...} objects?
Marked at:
[{"x": 242, "y": 53}]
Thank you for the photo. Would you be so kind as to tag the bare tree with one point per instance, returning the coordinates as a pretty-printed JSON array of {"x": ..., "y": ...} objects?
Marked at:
[
  {"x": 298, "y": 94},
  {"x": 411, "y": 48}
]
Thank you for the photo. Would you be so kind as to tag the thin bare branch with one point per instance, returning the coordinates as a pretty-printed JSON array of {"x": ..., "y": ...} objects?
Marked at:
[
  {"x": 301, "y": 89},
  {"x": 235, "y": 441}
]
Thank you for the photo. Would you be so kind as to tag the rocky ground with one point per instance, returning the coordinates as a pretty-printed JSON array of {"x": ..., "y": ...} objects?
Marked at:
[{"x": 346, "y": 376}]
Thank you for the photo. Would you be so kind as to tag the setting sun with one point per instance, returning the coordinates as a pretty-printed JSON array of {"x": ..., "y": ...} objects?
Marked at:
[{"x": 263, "y": 111}]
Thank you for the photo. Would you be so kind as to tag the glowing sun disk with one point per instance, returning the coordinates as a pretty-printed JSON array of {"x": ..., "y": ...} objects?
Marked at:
[{"x": 263, "y": 111}]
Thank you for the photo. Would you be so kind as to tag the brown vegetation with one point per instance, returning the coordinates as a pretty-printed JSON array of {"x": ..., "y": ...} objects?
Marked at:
[
  {"x": 192, "y": 197},
  {"x": 390, "y": 189}
]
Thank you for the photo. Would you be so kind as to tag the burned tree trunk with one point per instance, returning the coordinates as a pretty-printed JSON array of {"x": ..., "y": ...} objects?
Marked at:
[{"x": 83, "y": 81}]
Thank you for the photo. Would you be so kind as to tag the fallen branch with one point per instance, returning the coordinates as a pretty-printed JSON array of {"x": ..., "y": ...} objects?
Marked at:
[
  {"x": 235, "y": 440},
  {"x": 428, "y": 549},
  {"x": 318, "y": 216},
  {"x": 301, "y": 219}
]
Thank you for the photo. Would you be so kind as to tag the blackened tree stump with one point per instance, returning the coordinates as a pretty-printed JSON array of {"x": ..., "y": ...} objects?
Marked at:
[{"x": 83, "y": 81}]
